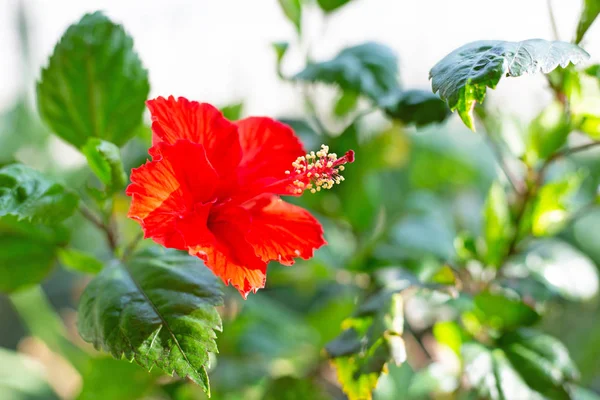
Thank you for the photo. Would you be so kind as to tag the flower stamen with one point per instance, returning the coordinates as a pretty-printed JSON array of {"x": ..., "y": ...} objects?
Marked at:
[{"x": 324, "y": 170}]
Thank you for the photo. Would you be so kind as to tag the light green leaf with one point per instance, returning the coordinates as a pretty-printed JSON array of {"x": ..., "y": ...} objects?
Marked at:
[
  {"x": 94, "y": 84},
  {"x": 104, "y": 159},
  {"x": 415, "y": 107},
  {"x": 542, "y": 361},
  {"x": 331, "y": 5},
  {"x": 23, "y": 378},
  {"x": 591, "y": 9},
  {"x": 369, "y": 69},
  {"x": 547, "y": 133},
  {"x": 346, "y": 103},
  {"x": 498, "y": 228},
  {"x": 552, "y": 207},
  {"x": 233, "y": 112},
  {"x": 80, "y": 261},
  {"x": 293, "y": 11},
  {"x": 463, "y": 76},
  {"x": 29, "y": 195},
  {"x": 157, "y": 309}
]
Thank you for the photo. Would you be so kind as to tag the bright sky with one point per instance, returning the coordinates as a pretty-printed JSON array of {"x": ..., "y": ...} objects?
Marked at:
[{"x": 219, "y": 51}]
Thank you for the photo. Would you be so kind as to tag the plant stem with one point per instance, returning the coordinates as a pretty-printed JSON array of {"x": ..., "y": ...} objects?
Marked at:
[
  {"x": 107, "y": 228},
  {"x": 131, "y": 247},
  {"x": 43, "y": 322},
  {"x": 513, "y": 180}
]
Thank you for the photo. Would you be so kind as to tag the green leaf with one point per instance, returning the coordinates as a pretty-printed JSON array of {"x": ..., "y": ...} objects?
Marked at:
[
  {"x": 503, "y": 313},
  {"x": 552, "y": 207},
  {"x": 369, "y": 69},
  {"x": 157, "y": 309},
  {"x": 498, "y": 227},
  {"x": 591, "y": 9},
  {"x": 547, "y": 133},
  {"x": 27, "y": 252},
  {"x": 104, "y": 159},
  {"x": 280, "y": 50},
  {"x": 107, "y": 378},
  {"x": 23, "y": 378},
  {"x": 80, "y": 261},
  {"x": 449, "y": 333},
  {"x": 580, "y": 393},
  {"x": 94, "y": 84},
  {"x": 542, "y": 361},
  {"x": 331, "y": 5},
  {"x": 415, "y": 107},
  {"x": 293, "y": 11},
  {"x": 346, "y": 103},
  {"x": 29, "y": 195},
  {"x": 463, "y": 76},
  {"x": 233, "y": 112},
  {"x": 372, "y": 337}
]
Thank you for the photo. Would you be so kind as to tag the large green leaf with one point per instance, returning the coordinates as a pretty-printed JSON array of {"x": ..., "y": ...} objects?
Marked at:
[
  {"x": 104, "y": 160},
  {"x": 417, "y": 107},
  {"x": 27, "y": 252},
  {"x": 22, "y": 378},
  {"x": 94, "y": 84},
  {"x": 369, "y": 69},
  {"x": 293, "y": 11},
  {"x": 591, "y": 9},
  {"x": 463, "y": 76},
  {"x": 29, "y": 195},
  {"x": 157, "y": 309},
  {"x": 542, "y": 361},
  {"x": 331, "y": 5},
  {"x": 501, "y": 312},
  {"x": 547, "y": 133},
  {"x": 498, "y": 228}
]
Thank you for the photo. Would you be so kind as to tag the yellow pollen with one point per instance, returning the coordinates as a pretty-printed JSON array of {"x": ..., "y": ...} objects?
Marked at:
[{"x": 317, "y": 170}]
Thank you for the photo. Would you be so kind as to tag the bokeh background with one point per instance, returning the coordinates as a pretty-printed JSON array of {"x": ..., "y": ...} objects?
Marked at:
[{"x": 435, "y": 178}]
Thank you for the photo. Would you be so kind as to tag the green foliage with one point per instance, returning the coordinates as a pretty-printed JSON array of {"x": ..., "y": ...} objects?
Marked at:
[
  {"x": 79, "y": 261},
  {"x": 94, "y": 84},
  {"x": 330, "y": 6},
  {"x": 503, "y": 313},
  {"x": 104, "y": 160},
  {"x": 293, "y": 12},
  {"x": 498, "y": 228},
  {"x": 463, "y": 76},
  {"x": 157, "y": 309},
  {"x": 547, "y": 133},
  {"x": 415, "y": 107},
  {"x": 346, "y": 103},
  {"x": 27, "y": 252},
  {"x": 22, "y": 378},
  {"x": 369, "y": 69},
  {"x": 233, "y": 112},
  {"x": 29, "y": 195},
  {"x": 591, "y": 9}
]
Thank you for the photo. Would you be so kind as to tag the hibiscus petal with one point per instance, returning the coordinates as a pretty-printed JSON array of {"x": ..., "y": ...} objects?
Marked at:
[
  {"x": 175, "y": 119},
  {"x": 282, "y": 231},
  {"x": 170, "y": 189},
  {"x": 231, "y": 257},
  {"x": 269, "y": 148}
]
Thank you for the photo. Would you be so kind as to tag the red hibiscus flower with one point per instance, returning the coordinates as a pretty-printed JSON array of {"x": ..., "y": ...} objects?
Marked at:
[{"x": 213, "y": 186}]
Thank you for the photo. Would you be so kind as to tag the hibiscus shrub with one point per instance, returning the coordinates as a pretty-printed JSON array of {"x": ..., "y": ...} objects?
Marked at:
[{"x": 446, "y": 266}]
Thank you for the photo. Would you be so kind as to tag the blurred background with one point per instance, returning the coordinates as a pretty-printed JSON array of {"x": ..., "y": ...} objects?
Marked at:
[{"x": 435, "y": 179}]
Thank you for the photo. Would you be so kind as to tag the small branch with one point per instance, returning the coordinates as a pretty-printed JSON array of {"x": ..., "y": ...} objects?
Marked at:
[
  {"x": 108, "y": 230},
  {"x": 132, "y": 246},
  {"x": 512, "y": 179},
  {"x": 552, "y": 20},
  {"x": 565, "y": 153}
]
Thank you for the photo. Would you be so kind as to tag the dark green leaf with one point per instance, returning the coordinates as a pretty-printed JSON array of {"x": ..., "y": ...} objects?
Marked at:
[
  {"x": 498, "y": 229},
  {"x": 501, "y": 312},
  {"x": 346, "y": 103},
  {"x": 463, "y": 76},
  {"x": 94, "y": 84},
  {"x": 547, "y": 133},
  {"x": 158, "y": 309},
  {"x": 552, "y": 207},
  {"x": 331, "y": 5},
  {"x": 23, "y": 378},
  {"x": 29, "y": 195},
  {"x": 104, "y": 159},
  {"x": 369, "y": 69},
  {"x": 415, "y": 107},
  {"x": 79, "y": 261},
  {"x": 591, "y": 9},
  {"x": 542, "y": 361},
  {"x": 233, "y": 112},
  {"x": 293, "y": 11}
]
